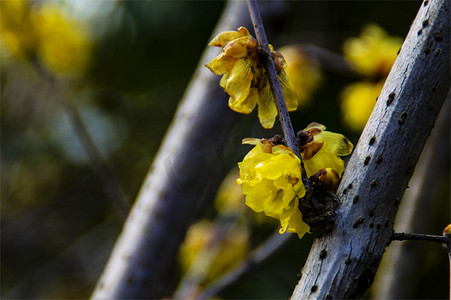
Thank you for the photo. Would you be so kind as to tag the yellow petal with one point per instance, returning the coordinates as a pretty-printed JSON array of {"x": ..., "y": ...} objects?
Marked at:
[
  {"x": 225, "y": 37},
  {"x": 289, "y": 94},
  {"x": 238, "y": 48},
  {"x": 239, "y": 82},
  {"x": 223, "y": 81},
  {"x": 315, "y": 125},
  {"x": 246, "y": 106},
  {"x": 259, "y": 197},
  {"x": 267, "y": 110},
  {"x": 221, "y": 64},
  {"x": 291, "y": 220},
  {"x": 334, "y": 143},
  {"x": 323, "y": 160}
]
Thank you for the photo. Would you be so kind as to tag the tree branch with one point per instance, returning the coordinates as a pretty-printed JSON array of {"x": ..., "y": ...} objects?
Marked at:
[
  {"x": 399, "y": 236},
  {"x": 392, "y": 142},
  {"x": 276, "y": 88},
  {"x": 402, "y": 260}
]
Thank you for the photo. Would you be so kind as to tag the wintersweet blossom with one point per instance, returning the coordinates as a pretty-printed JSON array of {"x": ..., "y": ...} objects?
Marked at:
[
  {"x": 270, "y": 176},
  {"x": 321, "y": 149},
  {"x": 372, "y": 55},
  {"x": 244, "y": 76}
]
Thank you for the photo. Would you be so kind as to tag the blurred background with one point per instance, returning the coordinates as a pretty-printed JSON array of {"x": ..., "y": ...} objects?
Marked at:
[{"x": 122, "y": 67}]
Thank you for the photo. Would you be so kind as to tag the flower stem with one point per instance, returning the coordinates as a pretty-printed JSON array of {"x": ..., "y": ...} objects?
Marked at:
[
  {"x": 276, "y": 88},
  {"x": 398, "y": 236}
]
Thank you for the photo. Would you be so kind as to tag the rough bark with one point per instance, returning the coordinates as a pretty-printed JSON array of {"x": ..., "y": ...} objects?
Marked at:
[
  {"x": 342, "y": 265},
  {"x": 400, "y": 265},
  {"x": 186, "y": 170}
]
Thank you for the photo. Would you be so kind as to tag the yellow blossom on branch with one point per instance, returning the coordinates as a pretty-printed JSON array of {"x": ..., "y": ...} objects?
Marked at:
[
  {"x": 244, "y": 76},
  {"x": 270, "y": 176},
  {"x": 321, "y": 149}
]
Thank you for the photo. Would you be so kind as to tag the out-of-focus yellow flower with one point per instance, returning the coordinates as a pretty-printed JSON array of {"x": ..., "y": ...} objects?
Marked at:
[
  {"x": 64, "y": 44},
  {"x": 321, "y": 149},
  {"x": 373, "y": 52},
  {"x": 304, "y": 75},
  {"x": 44, "y": 31},
  {"x": 229, "y": 199},
  {"x": 358, "y": 100},
  {"x": 244, "y": 76},
  {"x": 270, "y": 176},
  {"x": 15, "y": 35},
  {"x": 200, "y": 240}
]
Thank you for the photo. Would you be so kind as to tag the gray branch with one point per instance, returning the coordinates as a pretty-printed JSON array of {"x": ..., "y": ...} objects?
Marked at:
[
  {"x": 343, "y": 264},
  {"x": 185, "y": 172},
  {"x": 401, "y": 262}
]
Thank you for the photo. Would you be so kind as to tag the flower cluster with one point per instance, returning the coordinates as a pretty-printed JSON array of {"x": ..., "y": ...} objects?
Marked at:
[
  {"x": 244, "y": 76},
  {"x": 270, "y": 176},
  {"x": 44, "y": 31},
  {"x": 372, "y": 55}
]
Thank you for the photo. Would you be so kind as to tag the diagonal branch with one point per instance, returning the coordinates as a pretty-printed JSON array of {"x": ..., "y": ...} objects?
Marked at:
[
  {"x": 276, "y": 88},
  {"x": 390, "y": 144}
]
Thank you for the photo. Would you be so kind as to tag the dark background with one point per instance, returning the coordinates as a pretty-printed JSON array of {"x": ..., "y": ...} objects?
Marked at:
[{"x": 57, "y": 225}]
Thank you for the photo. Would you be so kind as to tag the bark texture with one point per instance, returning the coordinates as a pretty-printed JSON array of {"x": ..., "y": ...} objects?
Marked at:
[
  {"x": 343, "y": 264},
  {"x": 186, "y": 170},
  {"x": 399, "y": 268}
]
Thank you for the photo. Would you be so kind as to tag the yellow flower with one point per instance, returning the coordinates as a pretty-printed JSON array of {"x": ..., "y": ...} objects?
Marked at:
[
  {"x": 16, "y": 36},
  {"x": 373, "y": 52},
  {"x": 222, "y": 255},
  {"x": 358, "y": 100},
  {"x": 44, "y": 31},
  {"x": 304, "y": 75},
  {"x": 229, "y": 199},
  {"x": 244, "y": 76},
  {"x": 321, "y": 149},
  {"x": 270, "y": 176},
  {"x": 63, "y": 42}
]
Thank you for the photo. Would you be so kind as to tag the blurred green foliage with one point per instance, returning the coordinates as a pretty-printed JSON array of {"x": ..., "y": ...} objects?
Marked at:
[{"x": 57, "y": 225}]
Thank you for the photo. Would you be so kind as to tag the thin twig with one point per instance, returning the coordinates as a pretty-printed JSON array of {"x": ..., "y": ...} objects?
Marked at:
[
  {"x": 276, "y": 88},
  {"x": 110, "y": 184},
  {"x": 258, "y": 256},
  {"x": 399, "y": 236}
]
